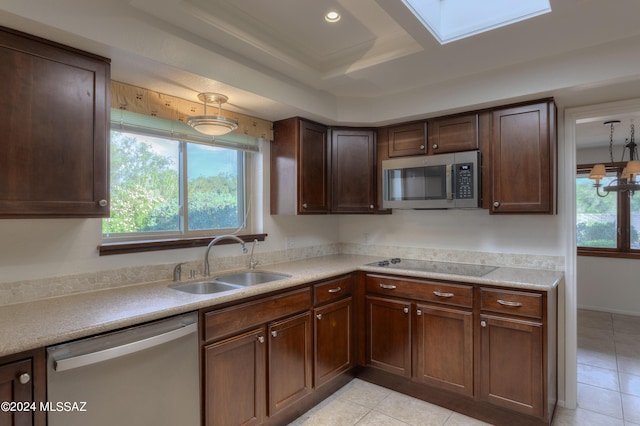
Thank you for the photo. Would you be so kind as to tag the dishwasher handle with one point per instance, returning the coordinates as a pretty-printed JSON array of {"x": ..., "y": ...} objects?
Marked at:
[{"x": 119, "y": 351}]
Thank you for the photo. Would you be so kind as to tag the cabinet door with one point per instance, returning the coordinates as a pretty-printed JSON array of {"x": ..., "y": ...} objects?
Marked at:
[
  {"x": 353, "y": 171},
  {"x": 408, "y": 139},
  {"x": 54, "y": 118},
  {"x": 290, "y": 361},
  {"x": 445, "y": 348},
  {"x": 235, "y": 380},
  {"x": 522, "y": 159},
  {"x": 389, "y": 335},
  {"x": 333, "y": 340},
  {"x": 453, "y": 134},
  {"x": 313, "y": 178},
  {"x": 511, "y": 363},
  {"x": 12, "y": 388}
]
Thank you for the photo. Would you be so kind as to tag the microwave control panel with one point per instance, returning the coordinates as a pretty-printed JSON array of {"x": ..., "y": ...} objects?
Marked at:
[{"x": 464, "y": 180}]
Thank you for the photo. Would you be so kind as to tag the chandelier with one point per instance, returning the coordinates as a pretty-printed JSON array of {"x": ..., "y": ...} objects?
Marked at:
[
  {"x": 214, "y": 125},
  {"x": 626, "y": 175}
]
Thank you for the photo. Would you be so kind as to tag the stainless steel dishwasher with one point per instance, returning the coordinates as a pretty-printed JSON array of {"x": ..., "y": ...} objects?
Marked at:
[{"x": 143, "y": 375}]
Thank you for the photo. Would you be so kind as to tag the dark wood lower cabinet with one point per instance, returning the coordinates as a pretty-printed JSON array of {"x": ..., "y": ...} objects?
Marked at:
[
  {"x": 333, "y": 340},
  {"x": 445, "y": 348},
  {"x": 389, "y": 335},
  {"x": 22, "y": 380},
  {"x": 487, "y": 352},
  {"x": 290, "y": 361},
  {"x": 235, "y": 380},
  {"x": 511, "y": 360}
]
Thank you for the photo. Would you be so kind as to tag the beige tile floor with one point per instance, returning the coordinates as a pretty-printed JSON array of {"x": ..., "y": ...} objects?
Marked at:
[{"x": 608, "y": 387}]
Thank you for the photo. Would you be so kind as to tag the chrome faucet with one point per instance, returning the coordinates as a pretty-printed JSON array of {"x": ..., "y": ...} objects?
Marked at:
[{"x": 214, "y": 242}]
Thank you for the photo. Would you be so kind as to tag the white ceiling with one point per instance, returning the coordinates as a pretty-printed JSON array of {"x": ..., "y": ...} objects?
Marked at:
[{"x": 377, "y": 65}]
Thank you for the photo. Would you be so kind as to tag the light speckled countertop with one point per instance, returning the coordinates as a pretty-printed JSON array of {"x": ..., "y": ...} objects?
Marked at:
[{"x": 30, "y": 325}]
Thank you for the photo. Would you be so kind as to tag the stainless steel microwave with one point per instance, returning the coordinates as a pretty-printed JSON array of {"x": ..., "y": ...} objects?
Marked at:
[{"x": 444, "y": 181}]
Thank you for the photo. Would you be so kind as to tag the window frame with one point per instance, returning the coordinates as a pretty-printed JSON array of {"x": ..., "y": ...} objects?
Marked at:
[
  {"x": 182, "y": 238},
  {"x": 623, "y": 249}
]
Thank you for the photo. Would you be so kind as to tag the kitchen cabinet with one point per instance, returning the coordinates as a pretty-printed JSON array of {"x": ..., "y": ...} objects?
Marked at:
[
  {"x": 23, "y": 382},
  {"x": 290, "y": 361},
  {"x": 235, "y": 384},
  {"x": 522, "y": 155},
  {"x": 389, "y": 335},
  {"x": 442, "y": 334},
  {"x": 257, "y": 358},
  {"x": 333, "y": 329},
  {"x": 515, "y": 356},
  {"x": 445, "y": 347},
  {"x": 407, "y": 139},
  {"x": 55, "y": 125},
  {"x": 300, "y": 158},
  {"x": 479, "y": 343},
  {"x": 353, "y": 166},
  {"x": 453, "y": 134}
]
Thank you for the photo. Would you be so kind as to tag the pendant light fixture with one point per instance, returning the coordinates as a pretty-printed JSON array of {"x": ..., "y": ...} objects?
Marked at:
[
  {"x": 214, "y": 125},
  {"x": 627, "y": 175}
]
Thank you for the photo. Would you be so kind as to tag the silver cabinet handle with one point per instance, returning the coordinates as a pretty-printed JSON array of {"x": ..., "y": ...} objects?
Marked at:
[
  {"x": 421, "y": 146},
  {"x": 405, "y": 310},
  {"x": 419, "y": 312},
  {"x": 435, "y": 146},
  {"x": 483, "y": 323},
  {"x": 371, "y": 206},
  {"x": 305, "y": 205},
  {"x": 261, "y": 339},
  {"x": 103, "y": 203},
  {"x": 274, "y": 333},
  {"x": 507, "y": 303},
  {"x": 387, "y": 286},
  {"x": 440, "y": 294},
  {"x": 335, "y": 290},
  {"x": 24, "y": 378},
  {"x": 319, "y": 316},
  {"x": 496, "y": 204}
]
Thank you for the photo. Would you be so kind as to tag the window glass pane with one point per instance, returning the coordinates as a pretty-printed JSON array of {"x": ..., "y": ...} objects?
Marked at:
[
  {"x": 144, "y": 184},
  {"x": 597, "y": 217},
  {"x": 635, "y": 222},
  {"x": 213, "y": 187}
]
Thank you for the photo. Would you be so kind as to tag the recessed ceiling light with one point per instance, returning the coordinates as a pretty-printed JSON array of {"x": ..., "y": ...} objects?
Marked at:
[{"x": 332, "y": 16}]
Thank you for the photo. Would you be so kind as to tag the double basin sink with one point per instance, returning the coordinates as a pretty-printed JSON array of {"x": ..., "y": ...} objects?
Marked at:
[{"x": 229, "y": 282}]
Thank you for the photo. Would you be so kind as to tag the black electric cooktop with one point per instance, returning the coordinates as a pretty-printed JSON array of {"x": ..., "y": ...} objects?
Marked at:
[{"x": 432, "y": 266}]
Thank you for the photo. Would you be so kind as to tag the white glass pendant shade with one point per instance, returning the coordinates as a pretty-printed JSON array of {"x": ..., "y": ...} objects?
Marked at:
[{"x": 214, "y": 125}]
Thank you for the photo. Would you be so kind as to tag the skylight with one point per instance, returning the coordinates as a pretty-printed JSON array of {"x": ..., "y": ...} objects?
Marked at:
[{"x": 450, "y": 20}]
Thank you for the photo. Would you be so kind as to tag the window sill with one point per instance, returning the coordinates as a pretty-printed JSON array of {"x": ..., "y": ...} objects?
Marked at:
[
  {"x": 608, "y": 253},
  {"x": 107, "y": 249}
]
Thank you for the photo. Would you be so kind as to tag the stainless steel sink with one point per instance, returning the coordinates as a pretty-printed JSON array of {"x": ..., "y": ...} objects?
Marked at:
[
  {"x": 205, "y": 287},
  {"x": 229, "y": 282},
  {"x": 250, "y": 278}
]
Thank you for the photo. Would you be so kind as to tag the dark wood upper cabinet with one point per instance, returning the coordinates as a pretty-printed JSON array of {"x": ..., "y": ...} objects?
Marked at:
[
  {"x": 353, "y": 166},
  {"x": 299, "y": 167},
  {"x": 453, "y": 134},
  {"x": 523, "y": 149},
  {"x": 408, "y": 139},
  {"x": 54, "y": 122}
]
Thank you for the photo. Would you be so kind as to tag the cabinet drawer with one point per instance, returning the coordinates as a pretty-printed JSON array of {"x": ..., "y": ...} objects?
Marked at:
[
  {"x": 240, "y": 317},
  {"x": 432, "y": 291},
  {"x": 511, "y": 302},
  {"x": 332, "y": 289}
]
